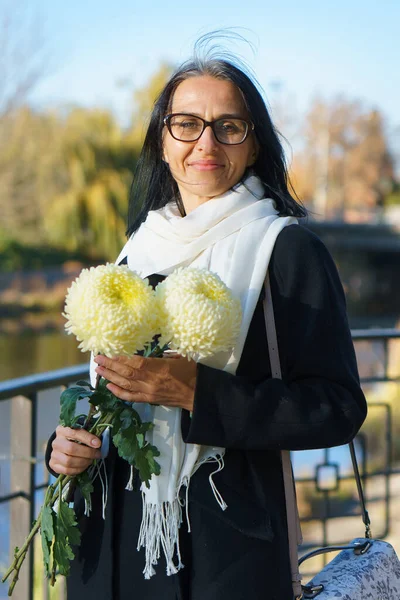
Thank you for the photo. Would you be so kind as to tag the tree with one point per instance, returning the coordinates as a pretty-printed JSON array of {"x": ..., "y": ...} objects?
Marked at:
[
  {"x": 143, "y": 101},
  {"x": 345, "y": 168},
  {"x": 65, "y": 177},
  {"x": 22, "y": 63},
  {"x": 22, "y": 55},
  {"x": 89, "y": 211},
  {"x": 29, "y": 147}
]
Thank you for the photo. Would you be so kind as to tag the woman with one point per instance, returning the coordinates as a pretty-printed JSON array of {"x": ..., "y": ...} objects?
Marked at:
[{"x": 212, "y": 186}]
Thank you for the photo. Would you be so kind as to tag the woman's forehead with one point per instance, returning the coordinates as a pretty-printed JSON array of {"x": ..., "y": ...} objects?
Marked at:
[{"x": 196, "y": 94}]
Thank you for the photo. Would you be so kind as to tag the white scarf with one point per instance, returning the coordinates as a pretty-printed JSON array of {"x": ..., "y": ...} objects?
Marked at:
[{"x": 232, "y": 235}]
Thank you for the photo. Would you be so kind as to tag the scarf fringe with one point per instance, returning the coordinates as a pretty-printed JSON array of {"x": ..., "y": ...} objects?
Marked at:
[
  {"x": 129, "y": 485},
  {"x": 220, "y": 460},
  {"x": 160, "y": 528},
  {"x": 161, "y": 522}
]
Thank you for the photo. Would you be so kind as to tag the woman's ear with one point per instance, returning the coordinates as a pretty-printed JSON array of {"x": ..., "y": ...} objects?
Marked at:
[
  {"x": 164, "y": 155},
  {"x": 253, "y": 155}
]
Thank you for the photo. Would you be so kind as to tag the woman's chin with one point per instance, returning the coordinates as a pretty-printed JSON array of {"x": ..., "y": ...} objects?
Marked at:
[
  {"x": 204, "y": 193},
  {"x": 207, "y": 186}
]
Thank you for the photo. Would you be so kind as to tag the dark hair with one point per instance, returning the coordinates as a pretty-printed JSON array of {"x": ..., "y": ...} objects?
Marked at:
[{"x": 153, "y": 185}]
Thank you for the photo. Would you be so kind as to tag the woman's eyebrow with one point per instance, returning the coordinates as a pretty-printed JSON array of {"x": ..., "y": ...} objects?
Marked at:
[{"x": 221, "y": 116}]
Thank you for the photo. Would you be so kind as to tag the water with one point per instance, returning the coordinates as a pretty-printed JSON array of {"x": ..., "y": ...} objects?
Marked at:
[{"x": 29, "y": 353}]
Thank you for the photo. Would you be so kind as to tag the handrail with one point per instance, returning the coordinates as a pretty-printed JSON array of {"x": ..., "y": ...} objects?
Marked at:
[
  {"x": 31, "y": 383},
  {"x": 375, "y": 334}
]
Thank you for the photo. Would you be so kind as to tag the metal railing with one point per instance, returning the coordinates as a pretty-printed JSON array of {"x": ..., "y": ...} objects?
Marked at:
[
  {"x": 29, "y": 387},
  {"x": 324, "y": 495}
]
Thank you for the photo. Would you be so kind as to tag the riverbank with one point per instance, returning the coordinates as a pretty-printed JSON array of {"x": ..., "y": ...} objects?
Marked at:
[{"x": 33, "y": 301}]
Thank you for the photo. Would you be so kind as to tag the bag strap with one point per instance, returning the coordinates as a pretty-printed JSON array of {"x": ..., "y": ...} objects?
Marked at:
[
  {"x": 293, "y": 520},
  {"x": 292, "y": 515},
  {"x": 364, "y": 512}
]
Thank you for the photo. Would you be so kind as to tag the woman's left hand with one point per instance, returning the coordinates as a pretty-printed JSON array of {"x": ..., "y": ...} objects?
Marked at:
[{"x": 166, "y": 381}]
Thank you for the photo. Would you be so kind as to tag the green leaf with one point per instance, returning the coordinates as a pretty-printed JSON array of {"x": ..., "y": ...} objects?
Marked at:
[
  {"x": 104, "y": 399},
  {"x": 68, "y": 401},
  {"x": 146, "y": 464},
  {"x": 47, "y": 533},
  {"x": 66, "y": 533},
  {"x": 132, "y": 447},
  {"x": 147, "y": 426},
  {"x": 85, "y": 384},
  {"x": 85, "y": 485},
  {"x": 62, "y": 554},
  {"x": 127, "y": 418}
]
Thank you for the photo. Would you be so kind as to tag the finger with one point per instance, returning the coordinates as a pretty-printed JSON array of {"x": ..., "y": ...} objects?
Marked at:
[
  {"x": 121, "y": 363},
  {"x": 122, "y": 370},
  {"x": 71, "y": 462},
  {"x": 80, "y": 435},
  {"x": 121, "y": 379},
  {"x": 62, "y": 470},
  {"x": 135, "y": 362},
  {"x": 72, "y": 448},
  {"x": 146, "y": 388},
  {"x": 128, "y": 395}
]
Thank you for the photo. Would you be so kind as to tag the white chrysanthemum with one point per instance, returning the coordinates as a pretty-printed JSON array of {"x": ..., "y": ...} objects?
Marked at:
[
  {"x": 198, "y": 314},
  {"x": 111, "y": 310}
]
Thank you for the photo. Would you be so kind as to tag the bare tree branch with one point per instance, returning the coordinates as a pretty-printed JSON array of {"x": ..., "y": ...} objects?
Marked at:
[{"x": 23, "y": 57}]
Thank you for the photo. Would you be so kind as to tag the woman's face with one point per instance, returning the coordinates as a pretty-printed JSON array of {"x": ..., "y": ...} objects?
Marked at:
[{"x": 207, "y": 168}]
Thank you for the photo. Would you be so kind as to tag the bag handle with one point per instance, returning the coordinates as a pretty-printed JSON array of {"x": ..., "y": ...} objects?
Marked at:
[
  {"x": 358, "y": 547},
  {"x": 292, "y": 514}
]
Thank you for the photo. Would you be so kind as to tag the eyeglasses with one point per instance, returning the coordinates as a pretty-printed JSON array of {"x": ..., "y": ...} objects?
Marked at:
[{"x": 189, "y": 128}]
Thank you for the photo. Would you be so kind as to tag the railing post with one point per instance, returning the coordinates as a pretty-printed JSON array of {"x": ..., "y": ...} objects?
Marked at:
[
  {"x": 20, "y": 525},
  {"x": 32, "y": 482}
]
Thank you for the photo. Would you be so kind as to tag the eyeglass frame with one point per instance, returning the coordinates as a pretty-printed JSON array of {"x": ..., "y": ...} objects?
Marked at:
[{"x": 167, "y": 118}]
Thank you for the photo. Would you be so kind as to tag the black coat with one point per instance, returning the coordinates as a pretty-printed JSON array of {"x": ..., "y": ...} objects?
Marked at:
[{"x": 242, "y": 553}]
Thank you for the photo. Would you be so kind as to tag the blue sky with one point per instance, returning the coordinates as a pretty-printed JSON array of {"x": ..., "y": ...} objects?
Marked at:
[{"x": 311, "y": 47}]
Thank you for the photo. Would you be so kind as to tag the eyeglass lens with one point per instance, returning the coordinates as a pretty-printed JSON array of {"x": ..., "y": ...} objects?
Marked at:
[{"x": 187, "y": 128}]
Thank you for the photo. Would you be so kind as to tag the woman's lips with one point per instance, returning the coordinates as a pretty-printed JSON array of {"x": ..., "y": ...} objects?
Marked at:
[{"x": 205, "y": 165}]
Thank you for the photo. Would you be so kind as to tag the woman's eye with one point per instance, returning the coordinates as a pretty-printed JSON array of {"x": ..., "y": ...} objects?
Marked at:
[
  {"x": 228, "y": 127},
  {"x": 186, "y": 124},
  {"x": 189, "y": 124}
]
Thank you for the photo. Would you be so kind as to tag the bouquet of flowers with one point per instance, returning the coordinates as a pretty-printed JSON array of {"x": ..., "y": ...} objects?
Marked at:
[{"x": 112, "y": 311}]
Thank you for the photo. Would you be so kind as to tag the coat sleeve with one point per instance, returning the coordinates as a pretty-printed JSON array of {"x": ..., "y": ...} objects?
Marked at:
[
  {"x": 47, "y": 454},
  {"x": 319, "y": 402}
]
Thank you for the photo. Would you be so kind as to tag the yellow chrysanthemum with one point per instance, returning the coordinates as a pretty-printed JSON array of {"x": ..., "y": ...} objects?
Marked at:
[
  {"x": 111, "y": 310},
  {"x": 198, "y": 314}
]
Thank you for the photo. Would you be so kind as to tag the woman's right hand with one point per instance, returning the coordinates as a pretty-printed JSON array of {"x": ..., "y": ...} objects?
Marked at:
[{"x": 73, "y": 450}]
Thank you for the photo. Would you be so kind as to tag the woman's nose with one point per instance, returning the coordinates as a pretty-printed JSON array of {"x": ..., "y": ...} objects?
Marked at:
[{"x": 207, "y": 140}]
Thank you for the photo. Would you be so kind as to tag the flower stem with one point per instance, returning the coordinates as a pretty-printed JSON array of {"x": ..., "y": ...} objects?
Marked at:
[
  {"x": 92, "y": 409},
  {"x": 157, "y": 352},
  {"x": 52, "y": 494}
]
